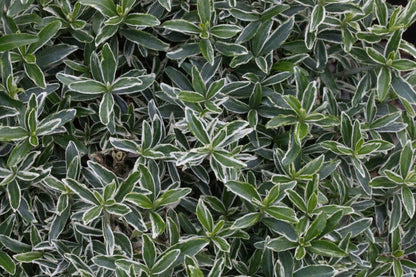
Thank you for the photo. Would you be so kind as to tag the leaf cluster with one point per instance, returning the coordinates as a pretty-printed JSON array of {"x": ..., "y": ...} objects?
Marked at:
[{"x": 207, "y": 138}]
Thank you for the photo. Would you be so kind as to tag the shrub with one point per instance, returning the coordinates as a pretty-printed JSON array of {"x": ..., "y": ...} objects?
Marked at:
[{"x": 207, "y": 138}]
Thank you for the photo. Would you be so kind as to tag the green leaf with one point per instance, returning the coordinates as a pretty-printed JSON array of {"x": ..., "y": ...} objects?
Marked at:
[
  {"x": 7, "y": 263},
  {"x": 91, "y": 214},
  {"x": 182, "y": 26},
  {"x": 262, "y": 64},
  {"x": 107, "y": 262},
  {"x": 7, "y": 112},
  {"x": 376, "y": 56},
  {"x": 31, "y": 122},
  {"x": 141, "y": 19},
  {"x": 245, "y": 15},
  {"x": 196, "y": 127},
  {"x": 12, "y": 133},
  {"x": 52, "y": 122},
  {"x": 158, "y": 225},
  {"x": 397, "y": 268},
  {"x": 301, "y": 131},
  {"x": 278, "y": 37},
  {"x": 406, "y": 160},
  {"x": 217, "y": 268},
  {"x": 14, "y": 245},
  {"x": 106, "y": 7},
  {"x": 393, "y": 43},
  {"x": 315, "y": 271},
  {"x": 382, "y": 182},
  {"x": 12, "y": 41},
  {"x": 125, "y": 145},
  {"x": 14, "y": 193},
  {"x": 408, "y": 201},
  {"x": 327, "y": 249},
  {"x": 300, "y": 252},
  {"x": 225, "y": 31},
  {"x": 191, "y": 96},
  {"x": 296, "y": 199},
  {"x": 172, "y": 196},
  {"x": 346, "y": 129},
  {"x": 147, "y": 135},
  {"x": 149, "y": 251},
  {"x": 106, "y": 108},
  {"x": 403, "y": 88},
  {"x": 403, "y": 65},
  {"x": 145, "y": 39},
  {"x": 140, "y": 200},
  {"x": 189, "y": 247},
  {"x": 356, "y": 227},
  {"x": 312, "y": 167},
  {"x": 207, "y": 50},
  {"x": 281, "y": 120},
  {"x": 226, "y": 160},
  {"x": 35, "y": 74},
  {"x": 281, "y": 244},
  {"x": 109, "y": 191},
  {"x": 108, "y": 65},
  {"x": 348, "y": 39},
  {"x": 117, "y": 209},
  {"x": 316, "y": 227},
  {"x": 317, "y": 17},
  {"x": 282, "y": 213},
  {"x": 79, "y": 264},
  {"x": 106, "y": 32},
  {"x": 82, "y": 191},
  {"x": 244, "y": 190},
  {"x": 381, "y": 12},
  {"x": 18, "y": 153},
  {"x": 230, "y": 133},
  {"x": 197, "y": 82},
  {"x": 272, "y": 196},
  {"x": 246, "y": 221},
  {"x": 167, "y": 4},
  {"x": 28, "y": 256},
  {"x": 273, "y": 11},
  {"x": 127, "y": 4},
  {"x": 383, "y": 83},
  {"x": 293, "y": 102},
  {"x": 204, "y": 216},
  {"x": 46, "y": 34},
  {"x": 230, "y": 49},
  {"x": 204, "y": 11},
  {"x": 408, "y": 263},
  {"x": 165, "y": 261},
  {"x": 147, "y": 180},
  {"x": 123, "y": 84},
  {"x": 221, "y": 243},
  {"x": 88, "y": 87},
  {"x": 127, "y": 186}
]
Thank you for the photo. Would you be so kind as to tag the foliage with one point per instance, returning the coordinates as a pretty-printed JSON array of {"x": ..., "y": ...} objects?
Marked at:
[{"x": 207, "y": 138}]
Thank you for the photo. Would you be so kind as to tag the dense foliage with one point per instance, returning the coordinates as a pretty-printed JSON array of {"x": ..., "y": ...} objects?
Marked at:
[{"x": 207, "y": 138}]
